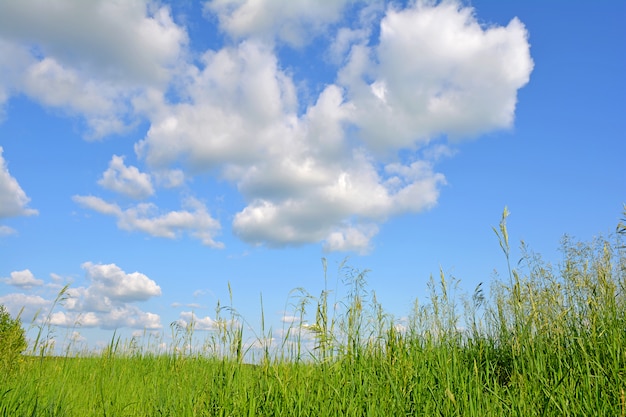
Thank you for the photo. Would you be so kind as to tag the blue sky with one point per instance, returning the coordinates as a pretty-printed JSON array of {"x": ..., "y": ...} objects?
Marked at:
[{"x": 153, "y": 152}]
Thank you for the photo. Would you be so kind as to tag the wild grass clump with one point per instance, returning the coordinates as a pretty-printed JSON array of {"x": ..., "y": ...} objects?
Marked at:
[
  {"x": 12, "y": 340},
  {"x": 544, "y": 340}
]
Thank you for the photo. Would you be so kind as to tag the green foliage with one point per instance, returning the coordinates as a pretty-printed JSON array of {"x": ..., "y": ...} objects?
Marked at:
[
  {"x": 12, "y": 339},
  {"x": 548, "y": 340}
]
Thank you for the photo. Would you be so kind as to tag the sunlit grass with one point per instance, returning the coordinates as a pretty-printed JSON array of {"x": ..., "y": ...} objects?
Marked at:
[{"x": 546, "y": 340}]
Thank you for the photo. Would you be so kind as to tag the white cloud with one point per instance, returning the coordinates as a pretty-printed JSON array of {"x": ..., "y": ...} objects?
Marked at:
[
  {"x": 111, "y": 281},
  {"x": 68, "y": 88},
  {"x": 126, "y": 180},
  {"x": 145, "y": 217},
  {"x": 199, "y": 293},
  {"x": 28, "y": 305},
  {"x": 169, "y": 178},
  {"x": 326, "y": 172},
  {"x": 77, "y": 337},
  {"x": 23, "y": 279},
  {"x": 13, "y": 200},
  {"x": 436, "y": 71},
  {"x": 119, "y": 316},
  {"x": 291, "y": 21},
  {"x": 200, "y": 323},
  {"x": 290, "y": 319},
  {"x": 98, "y": 204},
  {"x": 56, "y": 278},
  {"x": 103, "y": 104},
  {"x": 107, "y": 301},
  {"x": 355, "y": 239},
  {"x": 91, "y": 60},
  {"x": 240, "y": 107},
  {"x": 198, "y": 222},
  {"x": 305, "y": 178},
  {"x": 340, "y": 209},
  {"x": 357, "y": 33},
  {"x": 131, "y": 41},
  {"x": 343, "y": 42},
  {"x": 11, "y": 70},
  {"x": 65, "y": 319}
]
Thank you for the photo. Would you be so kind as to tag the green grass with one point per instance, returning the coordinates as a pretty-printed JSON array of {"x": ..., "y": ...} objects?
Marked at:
[{"x": 545, "y": 341}]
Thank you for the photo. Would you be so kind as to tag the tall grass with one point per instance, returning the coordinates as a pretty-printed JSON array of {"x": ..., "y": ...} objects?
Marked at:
[{"x": 545, "y": 341}]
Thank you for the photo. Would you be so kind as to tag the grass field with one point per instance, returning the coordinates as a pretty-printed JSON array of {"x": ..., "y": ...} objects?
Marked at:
[{"x": 542, "y": 341}]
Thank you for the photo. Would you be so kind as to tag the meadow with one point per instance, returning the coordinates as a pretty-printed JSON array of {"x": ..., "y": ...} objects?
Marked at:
[{"x": 542, "y": 340}]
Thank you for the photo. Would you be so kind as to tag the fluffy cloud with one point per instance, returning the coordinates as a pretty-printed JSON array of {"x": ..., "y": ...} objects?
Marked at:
[
  {"x": 169, "y": 178},
  {"x": 91, "y": 60},
  {"x": 240, "y": 108},
  {"x": 13, "y": 200},
  {"x": 107, "y": 301},
  {"x": 28, "y": 305},
  {"x": 436, "y": 71},
  {"x": 23, "y": 279},
  {"x": 120, "y": 316},
  {"x": 103, "y": 105},
  {"x": 11, "y": 70},
  {"x": 126, "y": 180},
  {"x": 302, "y": 181},
  {"x": 290, "y": 319},
  {"x": 131, "y": 41},
  {"x": 200, "y": 323},
  {"x": 326, "y": 171},
  {"x": 110, "y": 281},
  {"x": 144, "y": 217},
  {"x": 341, "y": 209},
  {"x": 291, "y": 21},
  {"x": 98, "y": 204}
]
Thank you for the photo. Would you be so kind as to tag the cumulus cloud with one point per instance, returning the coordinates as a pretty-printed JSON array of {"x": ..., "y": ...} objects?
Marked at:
[
  {"x": 111, "y": 281},
  {"x": 436, "y": 71},
  {"x": 119, "y": 316},
  {"x": 28, "y": 305},
  {"x": 13, "y": 200},
  {"x": 290, "y": 319},
  {"x": 98, "y": 204},
  {"x": 107, "y": 301},
  {"x": 199, "y": 323},
  {"x": 302, "y": 181},
  {"x": 11, "y": 70},
  {"x": 169, "y": 178},
  {"x": 23, "y": 279},
  {"x": 126, "y": 180},
  {"x": 291, "y": 21},
  {"x": 359, "y": 32},
  {"x": 104, "y": 105},
  {"x": 329, "y": 170},
  {"x": 329, "y": 173},
  {"x": 145, "y": 217},
  {"x": 356, "y": 239},
  {"x": 132, "y": 41},
  {"x": 91, "y": 60},
  {"x": 240, "y": 107},
  {"x": 341, "y": 210}
]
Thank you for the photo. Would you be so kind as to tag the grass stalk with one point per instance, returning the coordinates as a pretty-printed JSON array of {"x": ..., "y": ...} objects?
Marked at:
[{"x": 549, "y": 340}]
